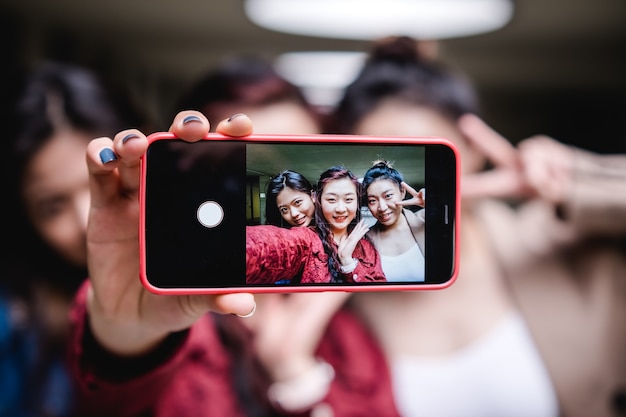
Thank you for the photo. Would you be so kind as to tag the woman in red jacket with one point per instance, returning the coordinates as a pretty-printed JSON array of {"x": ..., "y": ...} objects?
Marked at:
[
  {"x": 335, "y": 251},
  {"x": 135, "y": 353}
]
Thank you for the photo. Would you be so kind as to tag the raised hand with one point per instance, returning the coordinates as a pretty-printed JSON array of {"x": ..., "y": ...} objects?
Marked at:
[
  {"x": 348, "y": 243},
  {"x": 418, "y": 198},
  {"x": 288, "y": 328},
  {"x": 124, "y": 317},
  {"x": 539, "y": 166}
]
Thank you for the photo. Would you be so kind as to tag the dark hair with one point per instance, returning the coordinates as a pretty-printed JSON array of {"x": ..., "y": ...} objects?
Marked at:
[
  {"x": 396, "y": 69},
  {"x": 284, "y": 179},
  {"x": 330, "y": 248},
  {"x": 245, "y": 80},
  {"x": 381, "y": 170},
  {"x": 57, "y": 95},
  {"x": 53, "y": 96}
]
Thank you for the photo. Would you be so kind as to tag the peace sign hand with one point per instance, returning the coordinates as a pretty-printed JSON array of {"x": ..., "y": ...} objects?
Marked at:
[
  {"x": 418, "y": 198},
  {"x": 539, "y": 167}
]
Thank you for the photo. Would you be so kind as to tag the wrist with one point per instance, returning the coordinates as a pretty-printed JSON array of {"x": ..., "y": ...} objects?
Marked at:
[
  {"x": 288, "y": 369},
  {"x": 304, "y": 390},
  {"x": 118, "y": 336},
  {"x": 123, "y": 340},
  {"x": 349, "y": 266}
]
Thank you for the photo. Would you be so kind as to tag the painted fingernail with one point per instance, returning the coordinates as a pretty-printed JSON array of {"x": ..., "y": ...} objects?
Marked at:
[
  {"x": 250, "y": 314},
  {"x": 107, "y": 155},
  {"x": 129, "y": 137},
  {"x": 234, "y": 116},
  {"x": 190, "y": 119}
]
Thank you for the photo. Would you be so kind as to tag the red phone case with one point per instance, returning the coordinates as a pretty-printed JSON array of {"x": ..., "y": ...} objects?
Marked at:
[{"x": 304, "y": 139}]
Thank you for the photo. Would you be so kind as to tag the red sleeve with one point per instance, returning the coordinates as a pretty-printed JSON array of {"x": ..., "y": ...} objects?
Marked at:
[
  {"x": 274, "y": 254},
  {"x": 369, "y": 268},
  {"x": 190, "y": 370}
]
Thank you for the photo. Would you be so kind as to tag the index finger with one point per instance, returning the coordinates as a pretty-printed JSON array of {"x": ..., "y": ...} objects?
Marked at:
[
  {"x": 237, "y": 125},
  {"x": 490, "y": 143},
  {"x": 410, "y": 189},
  {"x": 190, "y": 125},
  {"x": 114, "y": 165}
]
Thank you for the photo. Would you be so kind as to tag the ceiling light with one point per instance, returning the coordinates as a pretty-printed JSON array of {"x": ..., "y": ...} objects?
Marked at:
[
  {"x": 321, "y": 75},
  {"x": 373, "y": 19}
]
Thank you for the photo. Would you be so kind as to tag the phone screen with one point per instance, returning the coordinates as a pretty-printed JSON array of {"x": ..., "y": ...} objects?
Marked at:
[{"x": 201, "y": 203}]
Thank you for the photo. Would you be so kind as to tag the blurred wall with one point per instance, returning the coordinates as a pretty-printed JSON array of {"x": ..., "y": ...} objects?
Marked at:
[{"x": 587, "y": 115}]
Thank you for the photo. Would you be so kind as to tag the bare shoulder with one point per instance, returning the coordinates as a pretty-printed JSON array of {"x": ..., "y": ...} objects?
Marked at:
[{"x": 416, "y": 219}]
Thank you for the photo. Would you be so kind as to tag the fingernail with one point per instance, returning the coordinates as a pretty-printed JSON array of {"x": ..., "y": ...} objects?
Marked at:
[
  {"x": 129, "y": 137},
  {"x": 250, "y": 314},
  {"x": 107, "y": 155},
  {"x": 190, "y": 119},
  {"x": 234, "y": 116}
]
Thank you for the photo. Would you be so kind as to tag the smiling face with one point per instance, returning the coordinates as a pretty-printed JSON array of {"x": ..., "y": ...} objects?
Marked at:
[
  {"x": 382, "y": 198},
  {"x": 397, "y": 118},
  {"x": 339, "y": 204},
  {"x": 296, "y": 207}
]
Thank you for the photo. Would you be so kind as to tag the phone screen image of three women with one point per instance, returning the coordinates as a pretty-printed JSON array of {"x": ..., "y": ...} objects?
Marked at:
[{"x": 201, "y": 197}]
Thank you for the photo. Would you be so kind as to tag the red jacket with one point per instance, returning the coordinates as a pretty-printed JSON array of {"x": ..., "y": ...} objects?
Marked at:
[
  {"x": 193, "y": 373},
  {"x": 274, "y": 254}
]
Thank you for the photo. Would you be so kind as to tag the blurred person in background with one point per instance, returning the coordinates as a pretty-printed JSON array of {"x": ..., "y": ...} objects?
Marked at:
[
  {"x": 476, "y": 343},
  {"x": 542, "y": 266},
  {"x": 189, "y": 362},
  {"x": 135, "y": 353},
  {"x": 249, "y": 84},
  {"x": 59, "y": 109}
]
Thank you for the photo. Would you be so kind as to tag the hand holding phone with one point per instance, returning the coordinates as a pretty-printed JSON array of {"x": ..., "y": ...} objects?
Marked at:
[
  {"x": 124, "y": 317},
  {"x": 204, "y": 225}
]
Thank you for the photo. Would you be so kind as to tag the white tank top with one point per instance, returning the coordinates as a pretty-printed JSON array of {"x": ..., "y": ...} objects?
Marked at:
[
  {"x": 499, "y": 375},
  {"x": 406, "y": 267}
]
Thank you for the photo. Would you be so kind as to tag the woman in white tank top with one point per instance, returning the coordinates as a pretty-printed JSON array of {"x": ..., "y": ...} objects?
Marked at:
[{"x": 399, "y": 232}]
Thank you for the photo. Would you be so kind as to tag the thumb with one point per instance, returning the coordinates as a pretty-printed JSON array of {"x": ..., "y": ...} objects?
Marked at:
[{"x": 242, "y": 304}]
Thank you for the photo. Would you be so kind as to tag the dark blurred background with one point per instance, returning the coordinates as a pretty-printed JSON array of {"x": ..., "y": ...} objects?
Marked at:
[{"x": 559, "y": 66}]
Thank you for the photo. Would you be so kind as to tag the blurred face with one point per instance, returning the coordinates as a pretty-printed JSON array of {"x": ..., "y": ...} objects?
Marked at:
[
  {"x": 279, "y": 118},
  {"x": 296, "y": 207},
  {"x": 56, "y": 194},
  {"x": 396, "y": 118},
  {"x": 339, "y": 204},
  {"x": 382, "y": 198}
]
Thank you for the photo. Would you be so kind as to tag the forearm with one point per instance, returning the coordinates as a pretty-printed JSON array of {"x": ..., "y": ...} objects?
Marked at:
[
  {"x": 123, "y": 330},
  {"x": 109, "y": 384},
  {"x": 368, "y": 266},
  {"x": 596, "y": 203},
  {"x": 123, "y": 338},
  {"x": 274, "y": 254}
]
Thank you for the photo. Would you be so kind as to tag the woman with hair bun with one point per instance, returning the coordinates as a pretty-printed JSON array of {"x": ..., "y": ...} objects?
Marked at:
[
  {"x": 535, "y": 276},
  {"x": 505, "y": 339},
  {"x": 398, "y": 233}
]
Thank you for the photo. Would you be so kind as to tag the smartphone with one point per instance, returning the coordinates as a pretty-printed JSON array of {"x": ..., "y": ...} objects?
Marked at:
[{"x": 200, "y": 202}]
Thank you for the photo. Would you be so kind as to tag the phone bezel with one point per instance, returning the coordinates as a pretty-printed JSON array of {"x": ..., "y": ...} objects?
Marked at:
[{"x": 304, "y": 139}]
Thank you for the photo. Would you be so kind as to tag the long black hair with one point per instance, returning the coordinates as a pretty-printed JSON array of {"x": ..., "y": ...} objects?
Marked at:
[
  {"x": 330, "y": 248},
  {"x": 51, "y": 97},
  {"x": 240, "y": 81},
  {"x": 54, "y": 96}
]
